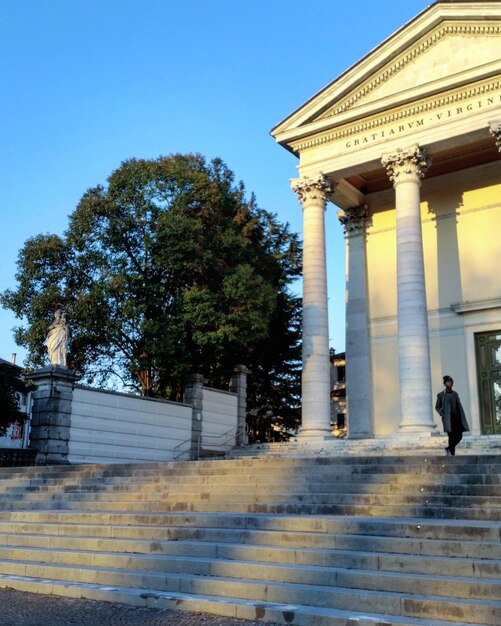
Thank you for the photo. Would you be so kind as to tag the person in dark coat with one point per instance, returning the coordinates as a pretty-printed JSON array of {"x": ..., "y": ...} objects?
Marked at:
[{"x": 450, "y": 409}]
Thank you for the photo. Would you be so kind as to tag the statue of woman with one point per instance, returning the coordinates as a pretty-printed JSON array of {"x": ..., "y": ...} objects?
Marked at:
[{"x": 57, "y": 339}]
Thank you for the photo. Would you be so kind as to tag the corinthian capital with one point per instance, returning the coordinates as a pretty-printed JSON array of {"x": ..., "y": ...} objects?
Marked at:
[
  {"x": 354, "y": 219},
  {"x": 495, "y": 130},
  {"x": 406, "y": 164},
  {"x": 312, "y": 187}
]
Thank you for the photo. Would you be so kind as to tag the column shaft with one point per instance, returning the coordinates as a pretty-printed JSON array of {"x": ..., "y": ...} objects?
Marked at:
[
  {"x": 358, "y": 360},
  {"x": 316, "y": 364},
  {"x": 406, "y": 169}
]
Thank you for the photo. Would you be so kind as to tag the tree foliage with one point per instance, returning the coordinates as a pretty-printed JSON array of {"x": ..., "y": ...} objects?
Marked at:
[{"x": 168, "y": 270}]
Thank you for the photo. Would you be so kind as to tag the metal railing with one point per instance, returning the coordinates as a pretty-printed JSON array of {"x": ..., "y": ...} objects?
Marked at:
[
  {"x": 217, "y": 444},
  {"x": 17, "y": 457}
]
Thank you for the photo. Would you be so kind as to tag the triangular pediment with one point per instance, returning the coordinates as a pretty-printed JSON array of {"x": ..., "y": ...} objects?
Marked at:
[
  {"x": 445, "y": 55},
  {"x": 448, "y": 45}
]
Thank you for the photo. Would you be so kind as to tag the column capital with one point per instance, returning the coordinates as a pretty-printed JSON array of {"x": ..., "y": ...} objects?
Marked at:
[
  {"x": 495, "y": 130},
  {"x": 354, "y": 220},
  {"x": 406, "y": 164},
  {"x": 312, "y": 187}
]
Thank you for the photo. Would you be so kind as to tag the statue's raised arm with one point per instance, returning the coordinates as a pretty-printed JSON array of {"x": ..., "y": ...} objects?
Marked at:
[{"x": 57, "y": 339}]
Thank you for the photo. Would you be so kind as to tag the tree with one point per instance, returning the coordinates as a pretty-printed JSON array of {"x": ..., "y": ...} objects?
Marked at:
[{"x": 167, "y": 270}]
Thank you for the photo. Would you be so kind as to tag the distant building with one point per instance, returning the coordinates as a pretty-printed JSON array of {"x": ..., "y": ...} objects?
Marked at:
[
  {"x": 338, "y": 393},
  {"x": 16, "y": 434}
]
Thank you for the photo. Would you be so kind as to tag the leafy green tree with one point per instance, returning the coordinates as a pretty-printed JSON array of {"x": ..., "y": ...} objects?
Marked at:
[{"x": 167, "y": 270}]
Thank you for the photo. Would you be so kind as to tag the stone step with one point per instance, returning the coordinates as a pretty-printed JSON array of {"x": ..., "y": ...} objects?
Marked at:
[
  {"x": 352, "y": 578},
  {"x": 369, "y": 464},
  {"x": 442, "y": 495},
  {"x": 298, "y": 540},
  {"x": 292, "y": 614},
  {"x": 208, "y": 495},
  {"x": 318, "y": 564},
  {"x": 417, "y": 538},
  {"x": 472, "y": 556},
  {"x": 413, "y": 528},
  {"x": 316, "y": 486},
  {"x": 389, "y": 601},
  {"x": 388, "y": 483},
  {"x": 389, "y": 488},
  {"x": 443, "y": 466},
  {"x": 423, "y": 510},
  {"x": 292, "y": 459},
  {"x": 415, "y": 445}
]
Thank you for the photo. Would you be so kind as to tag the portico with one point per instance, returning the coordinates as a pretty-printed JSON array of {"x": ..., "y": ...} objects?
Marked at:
[{"x": 406, "y": 145}]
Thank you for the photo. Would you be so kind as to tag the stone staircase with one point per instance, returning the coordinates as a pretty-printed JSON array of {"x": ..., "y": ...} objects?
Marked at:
[{"x": 400, "y": 541}]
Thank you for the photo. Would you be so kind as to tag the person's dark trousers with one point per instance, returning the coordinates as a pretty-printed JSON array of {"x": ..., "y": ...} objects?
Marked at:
[{"x": 455, "y": 437}]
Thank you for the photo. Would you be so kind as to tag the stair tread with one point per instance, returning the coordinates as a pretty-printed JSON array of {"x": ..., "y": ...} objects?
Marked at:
[
  {"x": 307, "y": 610},
  {"x": 189, "y": 575},
  {"x": 358, "y": 520},
  {"x": 256, "y": 581},
  {"x": 333, "y": 551}
]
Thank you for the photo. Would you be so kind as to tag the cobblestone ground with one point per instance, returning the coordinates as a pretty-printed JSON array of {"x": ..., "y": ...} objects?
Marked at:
[{"x": 31, "y": 609}]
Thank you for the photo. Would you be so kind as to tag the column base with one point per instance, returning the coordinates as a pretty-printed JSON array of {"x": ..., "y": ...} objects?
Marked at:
[
  {"x": 413, "y": 432},
  {"x": 354, "y": 436},
  {"x": 314, "y": 434},
  {"x": 417, "y": 428}
]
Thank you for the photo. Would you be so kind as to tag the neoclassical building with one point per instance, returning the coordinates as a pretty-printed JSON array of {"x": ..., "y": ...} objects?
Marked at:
[{"x": 406, "y": 144}]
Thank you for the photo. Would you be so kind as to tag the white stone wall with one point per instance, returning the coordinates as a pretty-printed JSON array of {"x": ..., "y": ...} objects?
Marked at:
[
  {"x": 219, "y": 419},
  {"x": 109, "y": 427}
]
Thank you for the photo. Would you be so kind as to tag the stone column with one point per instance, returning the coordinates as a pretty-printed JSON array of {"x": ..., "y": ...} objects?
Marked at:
[
  {"x": 194, "y": 395},
  {"x": 51, "y": 413},
  {"x": 358, "y": 361},
  {"x": 405, "y": 169},
  {"x": 316, "y": 365},
  {"x": 495, "y": 130},
  {"x": 238, "y": 385}
]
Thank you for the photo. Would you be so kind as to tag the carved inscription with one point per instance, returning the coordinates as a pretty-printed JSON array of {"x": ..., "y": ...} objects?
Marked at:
[{"x": 425, "y": 120}]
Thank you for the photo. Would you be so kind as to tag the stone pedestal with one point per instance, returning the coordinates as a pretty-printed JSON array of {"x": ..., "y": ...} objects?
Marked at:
[
  {"x": 405, "y": 169},
  {"x": 194, "y": 394},
  {"x": 316, "y": 365},
  {"x": 238, "y": 385},
  {"x": 51, "y": 413}
]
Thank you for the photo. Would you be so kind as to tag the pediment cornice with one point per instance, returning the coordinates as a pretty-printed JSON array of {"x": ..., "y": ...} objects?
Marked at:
[
  {"x": 479, "y": 29},
  {"x": 424, "y": 64}
]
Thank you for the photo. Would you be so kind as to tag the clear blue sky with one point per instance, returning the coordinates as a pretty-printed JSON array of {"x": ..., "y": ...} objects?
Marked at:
[{"x": 87, "y": 84}]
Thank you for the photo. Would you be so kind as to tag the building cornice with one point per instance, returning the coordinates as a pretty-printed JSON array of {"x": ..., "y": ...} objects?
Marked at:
[
  {"x": 398, "y": 114},
  {"x": 478, "y": 305}
]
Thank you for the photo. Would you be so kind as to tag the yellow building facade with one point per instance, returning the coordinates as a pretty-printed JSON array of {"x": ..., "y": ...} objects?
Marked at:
[{"x": 406, "y": 144}]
